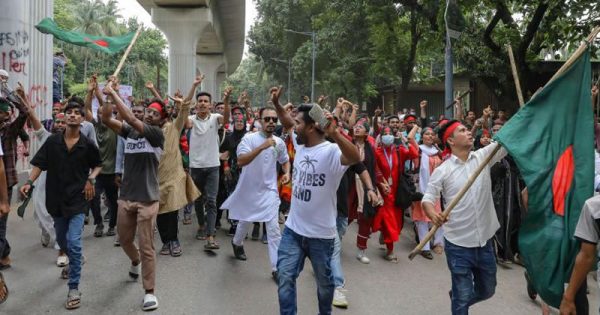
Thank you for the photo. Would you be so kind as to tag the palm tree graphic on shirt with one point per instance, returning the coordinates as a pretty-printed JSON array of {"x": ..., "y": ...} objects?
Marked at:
[{"x": 308, "y": 162}]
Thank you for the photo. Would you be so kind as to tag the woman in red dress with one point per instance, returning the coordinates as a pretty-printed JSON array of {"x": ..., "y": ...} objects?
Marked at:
[{"x": 390, "y": 159}]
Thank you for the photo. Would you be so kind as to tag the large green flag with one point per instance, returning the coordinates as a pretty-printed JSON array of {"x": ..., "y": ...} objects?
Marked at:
[
  {"x": 551, "y": 140},
  {"x": 105, "y": 44}
]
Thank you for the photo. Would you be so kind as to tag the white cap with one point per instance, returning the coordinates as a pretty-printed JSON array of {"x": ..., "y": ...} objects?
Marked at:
[{"x": 4, "y": 73}]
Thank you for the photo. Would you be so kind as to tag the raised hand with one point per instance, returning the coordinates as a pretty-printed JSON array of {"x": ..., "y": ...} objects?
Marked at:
[
  {"x": 108, "y": 88},
  {"x": 339, "y": 103},
  {"x": 198, "y": 80},
  {"x": 275, "y": 94},
  {"x": 149, "y": 85},
  {"x": 378, "y": 112},
  {"x": 423, "y": 104},
  {"x": 92, "y": 83},
  {"x": 322, "y": 99},
  {"x": 227, "y": 93},
  {"x": 20, "y": 90}
]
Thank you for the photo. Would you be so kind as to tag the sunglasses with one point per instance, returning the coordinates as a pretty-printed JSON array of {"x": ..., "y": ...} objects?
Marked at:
[{"x": 268, "y": 119}]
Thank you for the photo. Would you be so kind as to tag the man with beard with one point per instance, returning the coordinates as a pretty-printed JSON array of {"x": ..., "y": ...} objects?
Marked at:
[
  {"x": 72, "y": 163},
  {"x": 311, "y": 226},
  {"x": 139, "y": 196},
  {"x": 256, "y": 197},
  {"x": 40, "y": 214}
]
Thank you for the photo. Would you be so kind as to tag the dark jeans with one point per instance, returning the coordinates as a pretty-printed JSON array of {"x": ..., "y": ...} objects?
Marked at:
[
  {"x": 167, "y": 224},
  {"x": 293, "y": 250},
  {"x": 4, "y": 245},
  {"x": 68, "y": 237},
  {"x": 207, "y": 181},
  {"x": 55, "y": 92},
  {"x": 473, "y": 274},
  {"x": 105, "y": 183}
]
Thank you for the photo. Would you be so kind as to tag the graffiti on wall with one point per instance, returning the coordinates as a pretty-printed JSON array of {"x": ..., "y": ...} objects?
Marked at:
[{"x": 14, "y": 51}]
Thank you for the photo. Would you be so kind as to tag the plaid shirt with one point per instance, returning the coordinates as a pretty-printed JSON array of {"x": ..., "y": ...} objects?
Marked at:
[{"x": 9, "y": 133}]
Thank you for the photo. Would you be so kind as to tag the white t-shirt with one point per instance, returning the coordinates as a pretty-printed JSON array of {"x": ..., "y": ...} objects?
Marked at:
[
  {"x": 255, "y": 198},
  {"x": 317, "y": 173},
  {"x": 204, "y": 141}
]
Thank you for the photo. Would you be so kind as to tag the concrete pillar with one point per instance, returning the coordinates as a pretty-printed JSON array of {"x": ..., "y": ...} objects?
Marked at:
[
  {"x": 221, "y": 76},
  {"x": 209, "y": 66},
  {"x": 183, "y": 28}
]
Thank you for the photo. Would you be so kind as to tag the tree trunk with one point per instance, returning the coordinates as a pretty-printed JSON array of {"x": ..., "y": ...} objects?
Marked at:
[
  {"x": 158, "y": 76},
  {"x": 407, "y": 71},
  {"x": 85, "y": 66}
]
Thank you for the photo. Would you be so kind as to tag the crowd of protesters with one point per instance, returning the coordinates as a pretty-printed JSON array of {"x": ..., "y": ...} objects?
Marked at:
[{"x": 257, "y": 168}]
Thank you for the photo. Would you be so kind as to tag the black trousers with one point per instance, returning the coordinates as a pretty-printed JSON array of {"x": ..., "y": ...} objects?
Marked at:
[
  {"x": 168, "y": 227},
  {"x": 105, "y": 183}
]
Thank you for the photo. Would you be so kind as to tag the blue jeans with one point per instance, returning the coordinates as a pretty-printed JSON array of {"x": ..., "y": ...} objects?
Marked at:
[
  {"x": 68, "y": 237},
  {"x": 293, "y": 250},
  {"x": 336, "y": 259},
  {"x": 473, "y": 274},
  {"x": 207, "y": 181}
]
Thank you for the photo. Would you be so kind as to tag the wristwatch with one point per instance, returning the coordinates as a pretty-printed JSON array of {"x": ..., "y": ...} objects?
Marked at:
[{"x": 92, "y": 180}]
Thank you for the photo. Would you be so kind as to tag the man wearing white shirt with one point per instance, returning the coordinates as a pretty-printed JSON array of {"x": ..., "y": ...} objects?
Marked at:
[
  {"x": 256, "y": 198},
  {"x": 311, "y": 228},
  {"x": 472, "y": 224},
  {"x": 204, "y": 164}
]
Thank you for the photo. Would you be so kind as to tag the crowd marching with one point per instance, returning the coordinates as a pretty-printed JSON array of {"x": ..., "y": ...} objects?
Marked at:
[{"x": 313, "y": 168}]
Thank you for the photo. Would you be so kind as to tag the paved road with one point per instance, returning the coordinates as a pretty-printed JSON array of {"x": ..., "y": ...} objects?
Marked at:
[{"x": 197, "y": 283}]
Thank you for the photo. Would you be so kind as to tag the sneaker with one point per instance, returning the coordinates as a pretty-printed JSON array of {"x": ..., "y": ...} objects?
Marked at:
[
  {"x": 238, "y": 251},
  {"x": 264, "y": 239},
  {"x": 110, "y": 231},
  {"x": 339, "y": 298},
  {"x": 256, "y": 232},
  {"x": 427, "y": 254},
  {"x": 166, "y": 249},
  {"x": 117, "y": 243},
  {"x": 62, "y": 260},
  {"x": 45, "y": 239},
  {"x": 150, "y": 302},
  {"x": 362, "y": 256},
  {"x": 86, "y": 221},
  {"x": 134, "y": 271}
]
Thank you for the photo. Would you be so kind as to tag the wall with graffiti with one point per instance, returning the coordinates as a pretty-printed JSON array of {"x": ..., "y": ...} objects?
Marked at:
[{"x": 26, "y": 55}]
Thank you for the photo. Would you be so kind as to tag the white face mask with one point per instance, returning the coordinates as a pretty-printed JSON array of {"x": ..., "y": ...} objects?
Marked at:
[{"x": 387, "y": 139}]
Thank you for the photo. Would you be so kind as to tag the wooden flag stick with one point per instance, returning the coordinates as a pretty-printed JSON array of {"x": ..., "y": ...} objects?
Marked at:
[
  {"x": 515, "y": 75},
  {"x": 122, "y": 62},
  {"x": 454, "y": 202},
  {"x": 460, "y": 97}
]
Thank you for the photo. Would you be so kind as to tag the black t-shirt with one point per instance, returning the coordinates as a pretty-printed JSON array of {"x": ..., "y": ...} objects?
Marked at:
[
  {"x": 344, "y": 188},
  {"x": 67, "y": 173}
]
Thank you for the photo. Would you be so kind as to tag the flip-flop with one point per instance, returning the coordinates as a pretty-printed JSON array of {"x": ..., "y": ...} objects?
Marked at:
[
  {"x": 3, "y": 284},
  {"x": 4, "y": 266},
  {"x": 391, "y": 258}
]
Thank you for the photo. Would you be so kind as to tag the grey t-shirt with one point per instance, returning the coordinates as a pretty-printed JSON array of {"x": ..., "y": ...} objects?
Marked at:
[
  {"x": 140, "y": 171},
  {"x": 588, "y": 226}
]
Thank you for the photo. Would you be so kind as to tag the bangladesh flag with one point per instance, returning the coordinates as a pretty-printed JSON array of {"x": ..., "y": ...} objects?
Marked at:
[
  {"x": 105, "y": 44},
  {"x": 551, "y": 140}
]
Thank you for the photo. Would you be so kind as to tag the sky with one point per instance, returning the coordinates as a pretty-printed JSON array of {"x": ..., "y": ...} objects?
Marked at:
[{"x": 131, "y": 8}]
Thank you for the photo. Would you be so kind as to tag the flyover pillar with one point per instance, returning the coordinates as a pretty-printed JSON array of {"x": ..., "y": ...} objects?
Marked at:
[{"x": 209, "y": 66}]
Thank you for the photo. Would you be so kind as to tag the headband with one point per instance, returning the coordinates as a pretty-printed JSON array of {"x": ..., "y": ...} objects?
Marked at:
[
  {"x": 158, "y": 108},
  {"x": 449, "y": 131},
  {"x": 410, "y": 118}
]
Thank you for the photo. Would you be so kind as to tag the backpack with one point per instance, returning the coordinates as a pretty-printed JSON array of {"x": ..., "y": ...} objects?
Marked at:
[{"x": 406, "y": 192}]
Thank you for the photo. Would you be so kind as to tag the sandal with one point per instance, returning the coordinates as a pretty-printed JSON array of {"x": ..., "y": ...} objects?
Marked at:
[
  {"x": 391, "y": 258},
  {"x": 4, "y": 288},
  {"x": 73, "y": 299},
  {"x": 200, "y": 235},
  {"x": 64, "y": 273},
  {"x": 99, "y": 231},
  {"x": 427, "y": 254},
  {"x": 165, "y": 250},
  {"x": 211, "y": 245},
  {"x": 175, "y": 248},
  {"x": 187, "y": 219}
]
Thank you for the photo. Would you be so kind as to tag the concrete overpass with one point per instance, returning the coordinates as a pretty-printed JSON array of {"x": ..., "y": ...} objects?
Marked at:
[{"x": 204, "y": 36}]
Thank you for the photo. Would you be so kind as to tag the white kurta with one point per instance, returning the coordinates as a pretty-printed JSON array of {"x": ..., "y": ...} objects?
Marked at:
[{"x": 255, "y": 198}]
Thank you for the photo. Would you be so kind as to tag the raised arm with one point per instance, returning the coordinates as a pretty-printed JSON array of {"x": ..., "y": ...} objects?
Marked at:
[
  {"x": 150, "y": 86},
  {"x": 89, "y": 97},
  {"x": 352, "y": 119},
  {"x": 458, "y": 110},
  {"x": 226, "y": 107},
  {"x": 375, "y": 122},
  {"x": 350, "y": 154},
  {"x": 125, "y": 113},
  {"x": 286, "y": 120},
  {"x": 195, "y": 85},
  {"x": 33, "y": 119}
]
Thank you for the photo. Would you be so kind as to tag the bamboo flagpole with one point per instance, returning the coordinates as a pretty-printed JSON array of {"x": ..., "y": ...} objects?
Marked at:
[
  {"x": 515, "y": 74},
  {"x": 487, "y": 160},
  {"x": 122, "y": 62}
]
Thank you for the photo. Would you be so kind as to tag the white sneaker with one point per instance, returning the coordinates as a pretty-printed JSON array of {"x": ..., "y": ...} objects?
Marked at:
[
  {"x": 117, "y": 243},
  {"x": 362, "y": 257},
  {"x": 150, "y": 302},
  {"x": 62, "y": 261},
  {"x": 339, "y": 298},
  {"x": 134, "y": 271}
]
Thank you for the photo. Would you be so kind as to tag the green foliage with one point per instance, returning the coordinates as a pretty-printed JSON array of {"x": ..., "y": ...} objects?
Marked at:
[{"x": 146, "y": 61}]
